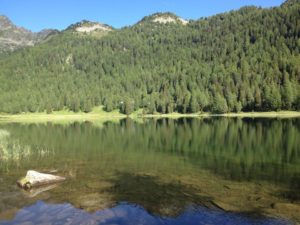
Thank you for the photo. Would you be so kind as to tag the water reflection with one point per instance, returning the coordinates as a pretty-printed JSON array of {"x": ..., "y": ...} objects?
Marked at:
[
  {"x": 122, "y": 214},
  {"x": 240, "y": 165},
  {"x": 248, "y": 149}
]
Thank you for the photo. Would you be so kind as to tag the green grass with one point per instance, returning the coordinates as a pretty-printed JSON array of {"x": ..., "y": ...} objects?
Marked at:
[
  {"x": 98, "y": 114},
  {"x": 240, "y": 114},
  {"x": 63, "y": 116}
]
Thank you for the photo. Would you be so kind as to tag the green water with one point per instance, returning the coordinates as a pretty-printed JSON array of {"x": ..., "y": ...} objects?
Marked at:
[{"x": 246, "y": 166}]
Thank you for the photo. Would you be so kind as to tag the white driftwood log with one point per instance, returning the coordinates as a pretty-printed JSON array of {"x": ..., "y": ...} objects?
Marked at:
[{"x": 35, "y": 179}]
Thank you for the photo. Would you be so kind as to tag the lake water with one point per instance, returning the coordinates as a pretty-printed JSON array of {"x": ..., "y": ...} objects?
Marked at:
[{"x": 186, "y": 171}]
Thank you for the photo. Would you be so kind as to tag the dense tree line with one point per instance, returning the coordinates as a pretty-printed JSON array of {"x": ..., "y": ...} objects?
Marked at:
[{"x": 242, "y": 60}]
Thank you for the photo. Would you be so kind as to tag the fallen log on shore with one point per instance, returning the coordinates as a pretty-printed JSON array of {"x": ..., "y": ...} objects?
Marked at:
[{"x": 36, "y": 179}]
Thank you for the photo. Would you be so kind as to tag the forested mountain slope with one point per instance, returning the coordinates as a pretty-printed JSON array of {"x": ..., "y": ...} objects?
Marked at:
[{"x": 242, "y": 60}]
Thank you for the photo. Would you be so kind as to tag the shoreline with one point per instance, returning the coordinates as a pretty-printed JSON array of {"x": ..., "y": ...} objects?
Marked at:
[
  {"x": 281, "y": 114},
  {"x": 107, "y": 116}
]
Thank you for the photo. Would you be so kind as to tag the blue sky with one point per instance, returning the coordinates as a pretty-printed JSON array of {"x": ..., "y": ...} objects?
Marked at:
[{"x": 39, "y": 14}]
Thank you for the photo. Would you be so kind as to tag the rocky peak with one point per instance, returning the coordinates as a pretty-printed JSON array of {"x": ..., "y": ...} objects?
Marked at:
[
  {"x": 5, "y": 23},
  {"x": 86, "y": 26},
  {"x": 13, "y": 37},
  {"x": 165, "y": 18}
]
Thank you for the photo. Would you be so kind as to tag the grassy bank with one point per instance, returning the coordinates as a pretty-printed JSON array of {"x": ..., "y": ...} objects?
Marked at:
[
  {"x": 283, "y": 114},
  {"x": 99, "y": 114}
]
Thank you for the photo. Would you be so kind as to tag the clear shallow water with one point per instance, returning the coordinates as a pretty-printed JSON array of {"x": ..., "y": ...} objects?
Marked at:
[{"x": 208, "y": 171}]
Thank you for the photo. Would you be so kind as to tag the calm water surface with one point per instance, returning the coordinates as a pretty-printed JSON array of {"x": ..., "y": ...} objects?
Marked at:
[{"x": 187, "y": 171}]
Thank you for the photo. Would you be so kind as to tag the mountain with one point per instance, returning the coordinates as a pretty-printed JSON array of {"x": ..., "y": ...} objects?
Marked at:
[
  {"x": 86, "y": 27},
  {"x": 13, "y": 37},
  {"x": 248, "y": 60},
  {"x": 164, "y": 18}
]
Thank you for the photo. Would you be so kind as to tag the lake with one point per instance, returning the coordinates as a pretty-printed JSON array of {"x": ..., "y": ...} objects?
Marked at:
[{"x": 184, "y": 171}]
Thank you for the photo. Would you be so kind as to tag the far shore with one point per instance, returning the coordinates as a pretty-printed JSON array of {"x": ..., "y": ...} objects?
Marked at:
[
  {"x": 99, "y": 115},
  {"x": 283, "y": 114}
]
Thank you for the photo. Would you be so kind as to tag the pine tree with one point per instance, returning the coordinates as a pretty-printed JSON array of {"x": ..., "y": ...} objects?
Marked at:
[
  {"x": 128, "y": 106},
  {"x": 87, "y": 106},
  {"x": 194, "y": 106},
  {"x": 220, "y": 104},
  {"x": 48, "y": 109},
  {"x": 287, "y": 94}
]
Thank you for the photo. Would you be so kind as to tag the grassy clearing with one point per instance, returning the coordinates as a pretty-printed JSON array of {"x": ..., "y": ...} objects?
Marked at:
[
  {"x": 64, "y": 116},
  {"x": 98, "y": 114}
]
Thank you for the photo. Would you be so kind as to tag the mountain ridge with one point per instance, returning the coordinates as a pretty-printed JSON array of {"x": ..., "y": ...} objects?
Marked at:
[
  {"x": 153, "y": 15},
  {"x": 13, "y": 37},
  {"x": 9, "y": 41}
]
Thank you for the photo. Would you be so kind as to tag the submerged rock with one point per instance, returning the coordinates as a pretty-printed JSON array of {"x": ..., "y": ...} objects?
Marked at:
[{"x": 36, "y": 179}]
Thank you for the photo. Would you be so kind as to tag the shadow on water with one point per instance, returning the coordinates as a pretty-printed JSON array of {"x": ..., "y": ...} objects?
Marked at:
[
  {"x": 166, "y": 199},
  {"x": 158, "y": 198}
]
